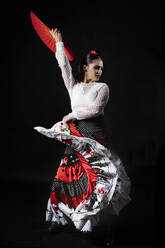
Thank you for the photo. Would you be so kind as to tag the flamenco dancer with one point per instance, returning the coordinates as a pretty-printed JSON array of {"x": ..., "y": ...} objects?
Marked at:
[{"x": 90, "y": 177}]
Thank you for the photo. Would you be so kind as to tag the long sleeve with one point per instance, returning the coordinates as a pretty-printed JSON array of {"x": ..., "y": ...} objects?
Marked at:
[
  {"x": 64, "y": 64},
  {"x": 96, "y": 109}
]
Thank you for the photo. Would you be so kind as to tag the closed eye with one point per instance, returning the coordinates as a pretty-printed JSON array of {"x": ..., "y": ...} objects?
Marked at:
[{"x": 96, "y": 67}]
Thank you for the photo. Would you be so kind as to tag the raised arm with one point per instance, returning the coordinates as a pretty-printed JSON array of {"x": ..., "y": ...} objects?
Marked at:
[
  {"x": 63, "y": 61},
  {"x": 94, "y": 110}
]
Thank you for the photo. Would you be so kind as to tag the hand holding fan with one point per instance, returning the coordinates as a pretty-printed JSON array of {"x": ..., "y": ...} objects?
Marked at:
[{"x": 44, "y": 33}]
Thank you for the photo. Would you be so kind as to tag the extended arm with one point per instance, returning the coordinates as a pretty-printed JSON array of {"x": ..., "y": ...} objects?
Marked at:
[{"x": 63, "y": 61}]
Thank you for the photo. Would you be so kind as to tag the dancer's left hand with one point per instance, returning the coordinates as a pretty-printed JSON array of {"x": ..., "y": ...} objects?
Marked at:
[{"x": 65, "y": 119}]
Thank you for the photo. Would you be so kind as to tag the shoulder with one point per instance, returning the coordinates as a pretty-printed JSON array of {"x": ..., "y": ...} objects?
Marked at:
[
  {"x": 104, "y": 86},
  {"x": 77, "y": 85}
]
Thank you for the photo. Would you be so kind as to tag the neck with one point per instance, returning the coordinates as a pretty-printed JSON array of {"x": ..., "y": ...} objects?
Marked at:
[{"x": 87, "y": 80}]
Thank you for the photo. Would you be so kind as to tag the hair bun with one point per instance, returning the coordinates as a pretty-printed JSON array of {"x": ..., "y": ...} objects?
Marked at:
[{"x": 92, "y": 52}]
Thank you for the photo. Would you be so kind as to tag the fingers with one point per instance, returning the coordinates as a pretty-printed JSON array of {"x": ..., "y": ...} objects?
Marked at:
[
  {"x": 55, "y": 30},
  {"x": 65, "y": 124},
  {"x": 56, "y": 34}
]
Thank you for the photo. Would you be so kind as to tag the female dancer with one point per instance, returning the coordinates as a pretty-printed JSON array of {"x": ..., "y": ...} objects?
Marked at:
[{"x": 90, "y": 176}]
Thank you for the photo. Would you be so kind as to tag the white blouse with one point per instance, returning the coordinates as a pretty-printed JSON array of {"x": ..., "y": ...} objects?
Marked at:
[{"x": 87, "y": 99}]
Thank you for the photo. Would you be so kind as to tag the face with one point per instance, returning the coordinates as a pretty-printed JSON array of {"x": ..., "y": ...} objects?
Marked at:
[{"x": 94, "y": 70}]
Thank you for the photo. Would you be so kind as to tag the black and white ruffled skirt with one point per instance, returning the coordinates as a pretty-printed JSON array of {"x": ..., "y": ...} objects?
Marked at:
[{"x": 89, "y": 177}]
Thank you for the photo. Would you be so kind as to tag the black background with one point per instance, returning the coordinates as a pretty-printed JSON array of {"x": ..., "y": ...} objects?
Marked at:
[{"x": 129, "y": 35}]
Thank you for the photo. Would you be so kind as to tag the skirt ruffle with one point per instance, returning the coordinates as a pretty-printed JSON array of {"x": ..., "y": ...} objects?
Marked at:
[{"x": 89, "y": 178}]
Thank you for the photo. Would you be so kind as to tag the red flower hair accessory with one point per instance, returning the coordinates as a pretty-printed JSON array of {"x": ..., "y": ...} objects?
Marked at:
[{"x": 92, "y": 52}]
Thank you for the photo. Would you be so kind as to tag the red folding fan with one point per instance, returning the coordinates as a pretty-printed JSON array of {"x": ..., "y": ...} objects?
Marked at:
[{"x": 44, "y": 33}]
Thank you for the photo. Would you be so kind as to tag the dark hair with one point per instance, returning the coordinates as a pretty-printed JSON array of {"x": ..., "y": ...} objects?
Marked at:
[{"x": 86, "y": 60}]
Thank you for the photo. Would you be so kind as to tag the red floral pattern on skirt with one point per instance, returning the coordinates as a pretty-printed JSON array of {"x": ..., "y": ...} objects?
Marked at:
[{"x": 74, "y": 172}]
